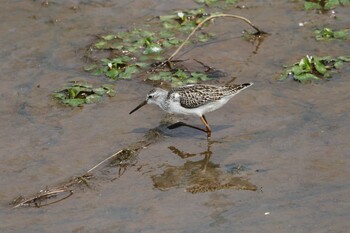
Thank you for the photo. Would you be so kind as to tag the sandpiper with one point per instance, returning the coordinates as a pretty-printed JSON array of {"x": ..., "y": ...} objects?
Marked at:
[{"x": 195, "y": 99}]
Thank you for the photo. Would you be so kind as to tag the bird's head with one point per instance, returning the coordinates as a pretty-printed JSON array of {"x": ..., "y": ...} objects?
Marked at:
[{"x": 155, "y": 96}]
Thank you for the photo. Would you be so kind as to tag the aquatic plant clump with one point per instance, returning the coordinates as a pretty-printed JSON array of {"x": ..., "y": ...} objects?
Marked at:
[
  {"x": 330, "y": 34},
  {"x": 179, "y": 77},
  {"x": 215, "y": 2},
  {"x": 324, "y": 5},
  {"x": 137, "y": 49},
  {"x": 311, "y": 68},
  {"x": 79, "y": 93}
]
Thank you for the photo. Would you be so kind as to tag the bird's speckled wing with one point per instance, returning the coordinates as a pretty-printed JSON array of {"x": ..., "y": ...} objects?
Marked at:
[{"x": 193, "y": 96}]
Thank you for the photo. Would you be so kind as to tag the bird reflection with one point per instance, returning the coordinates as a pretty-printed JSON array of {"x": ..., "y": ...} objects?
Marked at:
[
  {"x": 199, "y": 176},
  {"x": 204, "y": 162}
]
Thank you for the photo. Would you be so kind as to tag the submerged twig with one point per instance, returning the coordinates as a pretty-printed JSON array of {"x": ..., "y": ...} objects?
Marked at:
[
  {"x": 43, "y": 196},
  {"x": 103, "y": 161},
  {"x": 168, "y": 61}
]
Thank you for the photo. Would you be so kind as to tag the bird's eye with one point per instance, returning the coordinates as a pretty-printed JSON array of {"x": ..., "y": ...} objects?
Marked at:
[{"x": 150, "y": 97}]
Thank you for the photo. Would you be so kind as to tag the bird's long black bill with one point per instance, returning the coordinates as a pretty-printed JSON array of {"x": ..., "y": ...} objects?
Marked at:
[{"x": 139, "y": 106}]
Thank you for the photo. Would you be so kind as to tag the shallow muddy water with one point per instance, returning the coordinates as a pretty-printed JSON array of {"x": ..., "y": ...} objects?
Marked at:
[{"x": 278, "y": 159}]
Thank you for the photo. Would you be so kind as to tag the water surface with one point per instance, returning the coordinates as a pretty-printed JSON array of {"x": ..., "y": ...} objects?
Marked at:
[{"x": 289, "y": 141}]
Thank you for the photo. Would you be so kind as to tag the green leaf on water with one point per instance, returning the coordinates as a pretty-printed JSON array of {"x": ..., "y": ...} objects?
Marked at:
[
  {"x": 312, "y": 6},
  {"x": 94, "y": 98},
  {"x": 179, "y": 77},
  {"x": 116, "y": 46},
  {"x": 166, "y": 18},
  {"x": 338, "y": 64},
  {"x": 305, "y": 77},
  {"x": 344, "y": 58},
  {"x": 166, "y": 34},
  {"x": 120, "y": 60},
  {"x": 297, "y": 70},
  {"x": 142, "y": 64},
  {"x": 200, "y": 76},
  {"x": 319, "y": 66},
  {"x": 341, "y": 34},
  {"x": 161, "y": 76},
  {"x": 215, "y": 2},
  {"x": 109, "y": 37},
  {"x": 99, "y": 71},
  {"x": 90, "y": 67},
  {"x": 170, "y": 42},
  {"x": 330, "y": 4},
  {"x": 285, "y": 74},
  {"x": 131, "y": 70},
  {"x": 180, "y": 74},
  {"x": 105, "y": 61},
  {"x": 113, "y": 73},
  {"x": 99, "y": 91},
  {"x": 127, "y": 73},
  {"x": 73, "y": 92},
  {"x": 191, "y": 80},
  {"x": 176, "y": 82},
  {"x": 81, "y": 84},
  {"x": 153, "y": 49},
  {"x": 101, "y": 44},
  {"x": 110, "y": 91},
  {"x": 231, "y": 1},
  {"x": 73, "y": 102},
  {"x": 59, "y": 95},
  {"x": 204, "y": 37}
]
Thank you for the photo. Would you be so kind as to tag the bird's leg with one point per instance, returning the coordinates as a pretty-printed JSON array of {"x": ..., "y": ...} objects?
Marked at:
[
  {"x": 205, "y": 122},
  {"x": 179, "y": 124}
]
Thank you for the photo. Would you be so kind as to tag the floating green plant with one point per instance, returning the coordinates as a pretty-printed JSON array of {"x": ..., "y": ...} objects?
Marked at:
[
  {"x": 184, "y": 21},
  {"x": 324, "y": 5},
  {"x": 117, "y": 68},
  {"x": 79, "y": 93},
  {"x": 314, "y": 68},
  {"x": 179, "y": 77},
  {"x": 215, "y": 2},
  {"x": 329, "y": 34}
]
